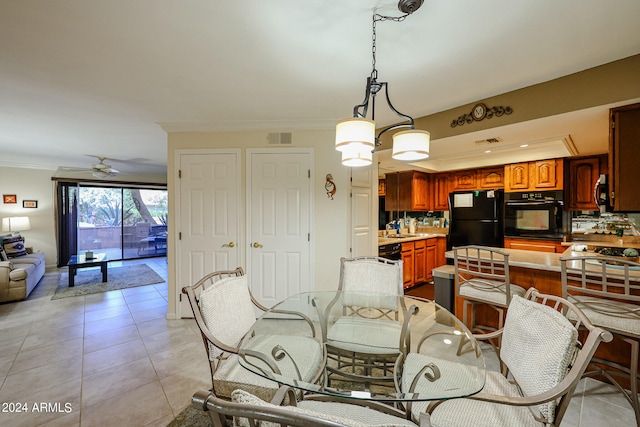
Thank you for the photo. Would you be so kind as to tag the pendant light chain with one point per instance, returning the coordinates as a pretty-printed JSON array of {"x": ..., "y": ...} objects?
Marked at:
[{"x": 377, "y": 17}]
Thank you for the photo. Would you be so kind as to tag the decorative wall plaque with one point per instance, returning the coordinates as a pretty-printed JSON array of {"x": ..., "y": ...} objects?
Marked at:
[{"x": 480, "y": 112}]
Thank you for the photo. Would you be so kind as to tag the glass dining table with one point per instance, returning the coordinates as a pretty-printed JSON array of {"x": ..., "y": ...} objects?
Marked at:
[{"x": 436, "y": 357}]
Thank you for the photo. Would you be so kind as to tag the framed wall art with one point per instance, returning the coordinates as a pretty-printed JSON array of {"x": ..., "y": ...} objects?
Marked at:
[
  {"x": 29, "y": 203},
  {"x": 9, "y": 198}
]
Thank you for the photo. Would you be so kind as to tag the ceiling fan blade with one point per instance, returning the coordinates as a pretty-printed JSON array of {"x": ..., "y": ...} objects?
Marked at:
[{"x": 74, "y": 169}]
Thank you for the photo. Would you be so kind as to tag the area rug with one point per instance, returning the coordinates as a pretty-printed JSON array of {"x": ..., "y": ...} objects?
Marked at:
[
  {"x": 90, "y": 281},
  {"x": 191, "y": 417}
]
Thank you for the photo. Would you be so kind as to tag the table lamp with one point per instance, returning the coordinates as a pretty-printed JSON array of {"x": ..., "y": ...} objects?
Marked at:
[{"x": 16, "y": 223}]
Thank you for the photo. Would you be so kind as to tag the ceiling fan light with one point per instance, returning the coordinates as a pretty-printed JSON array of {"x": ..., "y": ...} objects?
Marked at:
[
  {"x": 357, "y": 158},
  {"x": 98, "y": 174},
  {"x": 355, "y": 134},
  {"x": 411, "y": 145}
]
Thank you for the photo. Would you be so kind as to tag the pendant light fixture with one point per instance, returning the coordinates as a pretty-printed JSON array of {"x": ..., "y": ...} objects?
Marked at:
[{"x": 356, "y": 138}]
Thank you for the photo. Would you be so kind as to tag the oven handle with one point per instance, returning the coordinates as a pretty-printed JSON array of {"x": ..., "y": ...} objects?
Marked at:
[{"x": 532, "y": 203}]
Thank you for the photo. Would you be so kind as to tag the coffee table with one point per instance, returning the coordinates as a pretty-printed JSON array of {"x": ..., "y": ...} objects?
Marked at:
[{"x": 80, "y": 261}]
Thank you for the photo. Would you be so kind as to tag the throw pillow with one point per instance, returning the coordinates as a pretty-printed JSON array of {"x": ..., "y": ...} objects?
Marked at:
[
  {"x": 3, "y": 254},
  {"x": 14, "y": 246}
]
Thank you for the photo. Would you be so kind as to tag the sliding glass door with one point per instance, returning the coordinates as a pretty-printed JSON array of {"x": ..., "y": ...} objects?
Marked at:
[{"x": 123, "y": 222}]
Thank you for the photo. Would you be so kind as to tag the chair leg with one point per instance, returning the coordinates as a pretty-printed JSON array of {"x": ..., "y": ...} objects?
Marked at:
[{"x": 633, "y": 379}]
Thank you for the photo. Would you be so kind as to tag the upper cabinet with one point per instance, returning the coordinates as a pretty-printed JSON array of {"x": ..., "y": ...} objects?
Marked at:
[
  {"x": 538, "y": 175},
  {"x": 464, "y": 180},
  {"x": 624, "y": 151},
  {"x": 407, "y": 191},
  {"x": 440, "y": 191},
  {"x": 491, "y": 178},
  {"x": 583, "y": 175},
  {"x": 382, "y": 189}
]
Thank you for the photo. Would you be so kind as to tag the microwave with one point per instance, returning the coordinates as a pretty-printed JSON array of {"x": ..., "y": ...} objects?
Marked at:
[{"x": 538, "y": 215}]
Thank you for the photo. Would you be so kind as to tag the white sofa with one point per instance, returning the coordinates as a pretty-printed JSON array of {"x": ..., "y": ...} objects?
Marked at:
[{"x": 20, "y": 275}]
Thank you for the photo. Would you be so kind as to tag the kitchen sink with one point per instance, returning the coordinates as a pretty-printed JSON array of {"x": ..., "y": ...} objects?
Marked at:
[{"x": 403, "y": 236}]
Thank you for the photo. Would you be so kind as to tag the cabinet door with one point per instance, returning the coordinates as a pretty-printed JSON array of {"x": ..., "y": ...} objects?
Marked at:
[
  {"x": 382, "y": 189},
  {"x": 440, "y": 185},
  {"x": 420, "y": 192},
  {"x": 516, "y": 177},
  {"x": 546, "y": 174},
  {"x": 392, "y": 192},
  {"x": 431, "y": 257},
  {"x": 491, "y": 179},
  {"x": 420, "y": 261},
  {"x": 441, "y": 249},
  {"x": 407, "y": 264},
  {"x": 464, "y": 180},
  {"x": 624, "y": 152},
  {"x": 583, "y": 175}
]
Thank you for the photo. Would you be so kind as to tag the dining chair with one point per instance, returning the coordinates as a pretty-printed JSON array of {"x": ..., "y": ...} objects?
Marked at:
[
  {"x": 224, "y": 310},
  {"x": 609, "y": 296},
  {"x": 482, "y": 277},
  {"x": 543, "y": 360},
  {"x": 245, "y": 409},
  {"x": 366, "y": 337}
]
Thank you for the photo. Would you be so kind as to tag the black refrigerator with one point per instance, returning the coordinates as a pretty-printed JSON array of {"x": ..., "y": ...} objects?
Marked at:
[{"x": 476, "y": 218}]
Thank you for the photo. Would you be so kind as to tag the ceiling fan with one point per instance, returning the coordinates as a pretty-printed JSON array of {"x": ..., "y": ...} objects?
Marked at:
[{"x": 98, "y": 170}]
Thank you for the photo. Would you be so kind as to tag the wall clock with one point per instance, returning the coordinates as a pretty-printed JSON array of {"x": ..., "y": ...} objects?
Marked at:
[{"x": 479, "y": 111}]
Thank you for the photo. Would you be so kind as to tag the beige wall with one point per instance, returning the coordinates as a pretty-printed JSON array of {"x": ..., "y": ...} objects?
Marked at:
[
  {"x": 32, "y": 184},
  {"x": 606, "y": 84},
  {"x": 329, "y": 229}
]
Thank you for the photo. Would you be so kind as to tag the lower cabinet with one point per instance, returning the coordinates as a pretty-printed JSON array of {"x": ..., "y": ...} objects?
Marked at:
[
  {"x": 408, "y": 258},
  {"x": 420, "y": 257},
  {"x": 420, "y": 260},
  {"x": 553, "y": 246}
]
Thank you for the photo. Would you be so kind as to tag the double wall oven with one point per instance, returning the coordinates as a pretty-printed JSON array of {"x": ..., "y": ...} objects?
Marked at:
[{"x": 536, "y": 215}]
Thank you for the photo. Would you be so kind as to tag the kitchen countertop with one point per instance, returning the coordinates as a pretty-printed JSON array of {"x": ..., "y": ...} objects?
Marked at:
[
  {"x": 409, "y": 238},
  {"x": 539, "y": 260}
]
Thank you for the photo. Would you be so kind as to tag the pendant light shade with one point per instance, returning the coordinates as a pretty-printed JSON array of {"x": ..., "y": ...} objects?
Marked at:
[
  {"x": 411, "y": 145},
  {"x": 355, "y": 134},
  {"x": 354, "y": 157}
]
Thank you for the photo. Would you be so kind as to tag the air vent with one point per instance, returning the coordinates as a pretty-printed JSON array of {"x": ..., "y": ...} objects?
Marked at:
[
  {"x": 281, "y": 138},
  {"x": 489, "y": 141}
]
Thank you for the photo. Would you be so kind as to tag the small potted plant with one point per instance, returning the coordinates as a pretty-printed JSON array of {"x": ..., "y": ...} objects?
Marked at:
[{"x": 630, "y": 254}]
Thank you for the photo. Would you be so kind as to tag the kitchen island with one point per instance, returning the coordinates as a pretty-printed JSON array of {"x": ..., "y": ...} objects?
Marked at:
[{"x": 542, "y": 270}]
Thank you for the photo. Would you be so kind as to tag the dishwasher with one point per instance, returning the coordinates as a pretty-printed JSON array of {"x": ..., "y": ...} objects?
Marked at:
[{"x": 390, "y": 251}]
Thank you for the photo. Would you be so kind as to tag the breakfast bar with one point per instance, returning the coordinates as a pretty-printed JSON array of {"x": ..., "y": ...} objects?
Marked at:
[{"x": 542, "y": 270}]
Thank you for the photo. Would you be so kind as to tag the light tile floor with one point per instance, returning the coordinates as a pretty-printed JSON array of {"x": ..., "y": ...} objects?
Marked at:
[{"x": 112, "y": 359}]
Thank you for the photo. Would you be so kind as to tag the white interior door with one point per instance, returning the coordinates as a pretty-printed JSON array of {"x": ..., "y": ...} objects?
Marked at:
[
  {"x": 279, "y": 223},
  {"x": 363, "y": 211},
  {"x": 209, "y": 201}
]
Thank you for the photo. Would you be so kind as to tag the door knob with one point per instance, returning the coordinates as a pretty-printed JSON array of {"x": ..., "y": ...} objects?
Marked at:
[
  {"x": 228, "y": 245},
  {"x": 257, "y": 245}
]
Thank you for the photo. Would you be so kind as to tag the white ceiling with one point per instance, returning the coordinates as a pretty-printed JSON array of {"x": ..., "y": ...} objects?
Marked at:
[{"x": 110, "y": 77}]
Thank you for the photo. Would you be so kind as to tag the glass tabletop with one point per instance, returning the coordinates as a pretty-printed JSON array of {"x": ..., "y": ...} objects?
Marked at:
[
  {"x": 82, "y": 259},
  {"x": 432, "y": 354}
]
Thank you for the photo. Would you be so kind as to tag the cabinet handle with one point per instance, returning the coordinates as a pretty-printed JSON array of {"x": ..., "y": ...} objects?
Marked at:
[
  {"x": 229, "y": 245},
  {"x": 257, "y": 245}
]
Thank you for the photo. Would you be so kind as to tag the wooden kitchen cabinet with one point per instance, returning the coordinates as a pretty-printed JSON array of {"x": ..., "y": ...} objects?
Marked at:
[
  {"x": 407, "y": 256},
  {"x": 441, "y": 249},
  {"x": 553, "y": 246},
  {"x": 420, "y": 259},
  {"x": 530, "y": 176},
  {"x": 464, "y": 180},
  {"x": 491, "y": 178},
  {"x": 440, "y": 191},
  {"x": 624, "y": 152},
  {"x": 430, "y": 259},
  {"x": 583, "y": 175},
  {"x": 382, "y": 189},
  {"x": 407, "y": 191}
]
